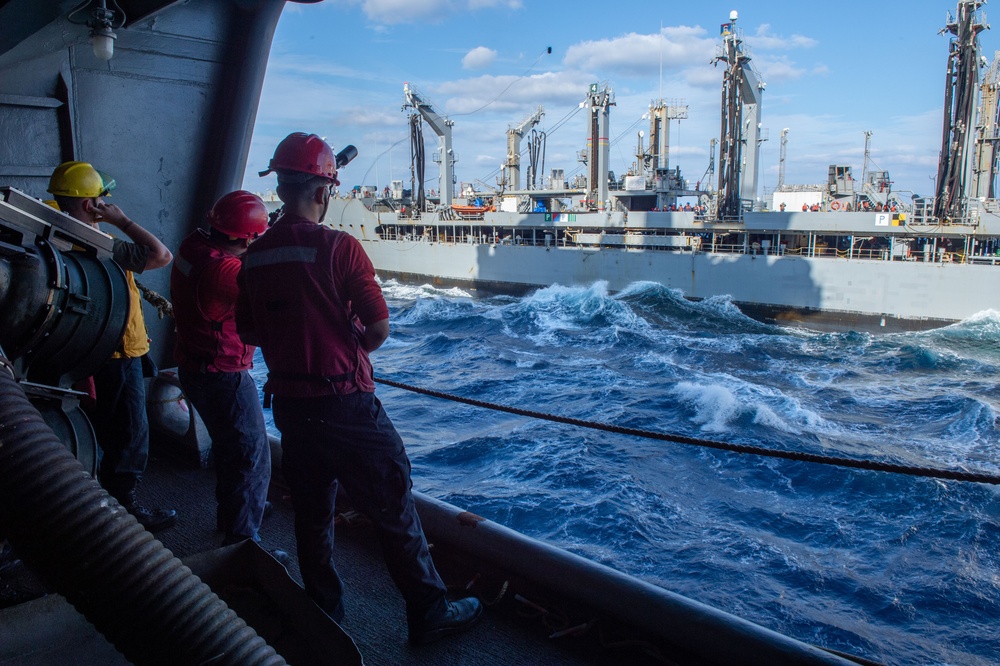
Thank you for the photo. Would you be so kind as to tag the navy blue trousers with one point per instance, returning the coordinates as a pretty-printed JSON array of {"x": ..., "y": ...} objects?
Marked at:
[
  {"x": 229, "y": 405},
  {"x": 350, "y": 440},
  {"x": 121, "y": 424}
]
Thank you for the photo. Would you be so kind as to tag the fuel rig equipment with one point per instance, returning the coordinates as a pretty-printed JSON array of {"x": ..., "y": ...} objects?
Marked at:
[{"x": 63, "y": 309}]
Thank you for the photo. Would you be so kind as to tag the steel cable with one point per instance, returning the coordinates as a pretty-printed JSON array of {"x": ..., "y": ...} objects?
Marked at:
[{"x": 951, "y": 475}]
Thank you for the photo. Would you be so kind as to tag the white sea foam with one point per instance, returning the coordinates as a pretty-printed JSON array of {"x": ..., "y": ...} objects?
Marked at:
[{"x": 715, "y": 405}]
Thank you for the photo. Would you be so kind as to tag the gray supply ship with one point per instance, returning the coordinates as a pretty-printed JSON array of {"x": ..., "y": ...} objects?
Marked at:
[{"x": 849, "y": 254}]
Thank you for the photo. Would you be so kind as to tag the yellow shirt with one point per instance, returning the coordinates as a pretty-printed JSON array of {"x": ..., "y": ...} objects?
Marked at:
[{"x": 135, "y": 342}]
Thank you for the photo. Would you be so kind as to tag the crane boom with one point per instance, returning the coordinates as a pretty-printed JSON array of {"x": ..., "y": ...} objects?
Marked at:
[
  {"x": 514, "y": 136},
  {"x": 442, "y": 127}
]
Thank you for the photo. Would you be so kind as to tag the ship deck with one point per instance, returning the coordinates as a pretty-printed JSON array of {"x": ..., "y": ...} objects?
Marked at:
[
  {"x": 375, "y": 616},
  {"x": 375, "y": 613}
]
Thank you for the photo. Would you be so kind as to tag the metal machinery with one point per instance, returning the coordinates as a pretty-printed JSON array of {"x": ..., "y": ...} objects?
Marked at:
[
  {"x": 513, "y": 163},
  {"x": 599, "y": 101},
  {"x": 781, "y": 159},
  {"x": 64, "y": 304},
  {"x": 666, "y": 181},
  {"x": 112, "y": 82},
  {"x": 739, "y": 151},
  {"x": 956, "y": 164},
  {"x": 988, "y": 140},
  {"x": 445, "y": 155}
]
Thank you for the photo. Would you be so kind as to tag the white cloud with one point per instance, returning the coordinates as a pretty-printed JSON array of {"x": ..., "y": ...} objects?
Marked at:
[
  {"x": 764, "y": 40},
  {"x": 522, "y": 93},
  {"x": 478, "y": 58},
  {"x": 306, "y": 66},
  {"x": 778, "y": 69},
  {"x": 642, "y": 54},
  {"x": 485, "y": 4},
  {"x": 391, "y": 12},
  {"x": 394, "y": 12}
]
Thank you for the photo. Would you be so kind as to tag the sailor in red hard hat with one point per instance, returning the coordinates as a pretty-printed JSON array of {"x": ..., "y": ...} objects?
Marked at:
[
  {"x": 308, "y": 297},
  {"x": 213, "y": 363}
]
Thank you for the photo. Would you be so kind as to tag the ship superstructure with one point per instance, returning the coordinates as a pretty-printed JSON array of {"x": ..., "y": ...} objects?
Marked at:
[{"x": 844, "y": 253}]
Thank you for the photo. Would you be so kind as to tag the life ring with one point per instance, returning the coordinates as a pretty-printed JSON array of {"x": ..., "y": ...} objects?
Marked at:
[{"x": 835, "y": 205}]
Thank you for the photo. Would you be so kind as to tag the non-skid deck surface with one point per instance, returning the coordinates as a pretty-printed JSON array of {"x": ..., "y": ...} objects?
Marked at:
[{"x": 375, "y": 613}]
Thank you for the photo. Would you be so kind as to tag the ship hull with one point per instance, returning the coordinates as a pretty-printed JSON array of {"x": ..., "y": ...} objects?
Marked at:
[{"x": 818, "y": 292}]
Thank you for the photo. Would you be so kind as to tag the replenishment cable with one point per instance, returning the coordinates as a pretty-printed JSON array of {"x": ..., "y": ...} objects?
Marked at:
[{"x": 933, "y": 473}]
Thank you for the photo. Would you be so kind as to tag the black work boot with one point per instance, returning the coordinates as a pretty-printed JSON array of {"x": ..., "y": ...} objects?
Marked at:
[
  {"x": 456, "y": 616},
  {"x": 153, "y": 520}
]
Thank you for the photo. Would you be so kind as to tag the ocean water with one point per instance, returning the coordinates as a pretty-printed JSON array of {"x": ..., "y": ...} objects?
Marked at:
[{"x": 897, "y": 569}]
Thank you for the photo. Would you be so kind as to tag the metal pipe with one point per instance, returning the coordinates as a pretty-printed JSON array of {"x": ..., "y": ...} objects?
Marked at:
[{"x": 85, "y": 546}]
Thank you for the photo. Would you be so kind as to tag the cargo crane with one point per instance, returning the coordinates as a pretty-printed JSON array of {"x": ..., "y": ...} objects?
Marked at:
[
  {"x": 668, "y": 182},
  {"x": 741, "y": 99},
  {"x": 514, "y": 136},
  {"x": 599, "y": 101},
  {"x": 954, "y": 177},
  {"x": 445, "y": 155},
  {"x": 988, "y": 134}
]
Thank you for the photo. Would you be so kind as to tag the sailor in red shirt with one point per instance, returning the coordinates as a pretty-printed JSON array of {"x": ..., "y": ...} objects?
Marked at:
[
  {"x": 213, "y": 362},
  {"x": 309, "y": 298}
]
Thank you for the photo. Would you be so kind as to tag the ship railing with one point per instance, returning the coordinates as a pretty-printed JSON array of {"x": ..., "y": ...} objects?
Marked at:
[
  {"x": 923, "y": 214},
  {"x": 985, "y": 259},
  {"x": 432, "y": 234},
  {"x": 729, "y": 219},
  {"x": 823, "y": 251}
]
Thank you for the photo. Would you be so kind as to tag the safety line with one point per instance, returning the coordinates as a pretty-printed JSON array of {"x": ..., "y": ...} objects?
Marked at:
[{"x": 951, "y": 475}]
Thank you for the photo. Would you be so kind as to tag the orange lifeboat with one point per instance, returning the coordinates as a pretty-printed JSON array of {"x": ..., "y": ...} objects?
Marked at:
[{"x": 470, "y": 211}]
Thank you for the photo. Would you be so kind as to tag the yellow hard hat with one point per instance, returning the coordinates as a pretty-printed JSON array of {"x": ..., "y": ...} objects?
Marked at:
[{"x": 77, "y": 179}]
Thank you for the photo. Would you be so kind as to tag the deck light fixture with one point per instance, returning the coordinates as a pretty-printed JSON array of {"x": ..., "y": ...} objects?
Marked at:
[{"x": 102, "y": 21}]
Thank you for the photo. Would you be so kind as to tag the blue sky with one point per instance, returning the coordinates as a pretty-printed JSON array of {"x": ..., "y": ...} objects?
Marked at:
[{"x": 833, "y": 71}]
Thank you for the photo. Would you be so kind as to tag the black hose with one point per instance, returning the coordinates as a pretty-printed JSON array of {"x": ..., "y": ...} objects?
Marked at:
[{"x": 85, "y": 546}]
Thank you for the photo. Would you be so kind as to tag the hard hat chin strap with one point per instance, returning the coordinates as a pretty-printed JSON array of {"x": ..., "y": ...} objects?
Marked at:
[{"x": 326, "y": 204}]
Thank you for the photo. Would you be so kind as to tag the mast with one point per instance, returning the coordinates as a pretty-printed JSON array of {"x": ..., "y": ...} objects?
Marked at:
[
  {"x": 514, "y": 136},
  {"x": 955, "y": 165},
  {"x": 710, "y": 171},
  {"x": 600, "y": 100},
  {"x": 442, "y": 127},
  {"x": 739, "y": 150},
  {"x": 661, "y": 113},
  {"x": 781, "y": 159},
  {"x": 868, "y": 155},
  {"x": 988, "y": 133}
]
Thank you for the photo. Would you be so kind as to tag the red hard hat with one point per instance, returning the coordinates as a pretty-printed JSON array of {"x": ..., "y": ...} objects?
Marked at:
[
  {"x": 239, "y": 214},
  {"x": 304, "y": 153}
]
